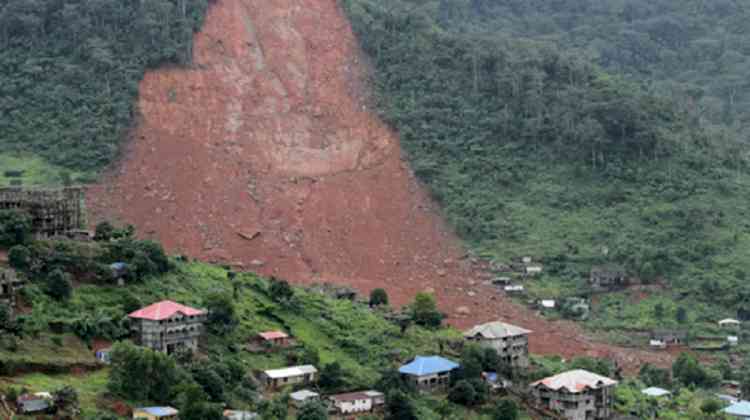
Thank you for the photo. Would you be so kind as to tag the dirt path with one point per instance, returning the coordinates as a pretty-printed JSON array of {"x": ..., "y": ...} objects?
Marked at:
[{"x": 263, "y": 153}]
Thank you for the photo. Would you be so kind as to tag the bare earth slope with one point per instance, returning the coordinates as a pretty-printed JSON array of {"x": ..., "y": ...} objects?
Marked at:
[{"x": 263, "y": 153}]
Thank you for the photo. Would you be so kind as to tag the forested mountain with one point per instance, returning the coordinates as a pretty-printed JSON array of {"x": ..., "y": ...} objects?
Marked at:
[
  {"x": 69, "y": 71},
  {"x": 533, "y": 149},
  {"x": 696, "y": 51}
]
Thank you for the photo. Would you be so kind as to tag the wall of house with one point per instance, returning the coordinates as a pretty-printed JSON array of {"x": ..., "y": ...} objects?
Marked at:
[
  {"x": 53, "y": 212},
  {"x": 514, "y": 350},
  {"x": 590, "y": 405},
  {"x": 174, "y": 333},
  {"x": 355, "y": 406}
]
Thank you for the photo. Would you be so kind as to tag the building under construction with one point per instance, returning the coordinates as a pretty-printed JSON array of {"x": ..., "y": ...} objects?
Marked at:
[{"x": 53, "y": 213}]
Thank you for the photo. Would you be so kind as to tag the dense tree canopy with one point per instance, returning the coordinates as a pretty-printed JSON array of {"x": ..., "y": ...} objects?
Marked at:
[{"x": 69, "y": 71}]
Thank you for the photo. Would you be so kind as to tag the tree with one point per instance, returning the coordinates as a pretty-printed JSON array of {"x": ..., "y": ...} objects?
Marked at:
[
  {"x": 331, "y": 376},
  {"x": 19, "y": 257},
  {"x": 710, "y": 407},
  {"x": 687, "y": 370},
  {"x": 312, "y": 410},
  {"x": 424, "y": 310},
  {"x": 127, "y": 378},
  {"x": 280, "y": 290},
  {"x": 193, "y": 403},
  {"x": 66, "y": 402},
  {"x": 104, "y": 231},
  {"x": 505, "y": 409},
  {"x": 462, "y": 393},
  {"x": 222, "y": 316},
  {"x": 59, "y": 285},
  {"x": 653, "y": 376},
  {"x": 378, "y": 297},
  {"x": 399, "y": 407},
  {"x": 15, "y": 228},
  {"x": 659, "y": 311}
]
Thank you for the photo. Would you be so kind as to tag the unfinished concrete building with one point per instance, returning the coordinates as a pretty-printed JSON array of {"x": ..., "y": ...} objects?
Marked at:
[
  {"x": 53, "y": 212},
  {"x": 168, "y": 326},
  {"x": 9, "y": 284}
]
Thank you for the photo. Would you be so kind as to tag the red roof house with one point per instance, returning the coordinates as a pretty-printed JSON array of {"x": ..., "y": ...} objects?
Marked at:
[
  {"x": 274, "y": 338},
  {"x": 164, "y": 310}
]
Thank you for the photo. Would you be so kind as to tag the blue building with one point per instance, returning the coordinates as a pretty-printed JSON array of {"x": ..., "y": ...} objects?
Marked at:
[{"x": 429, "y": 372}]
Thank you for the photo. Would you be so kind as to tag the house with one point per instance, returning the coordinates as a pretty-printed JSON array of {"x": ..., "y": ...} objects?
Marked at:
[
  {"x": 357, "y": 402},
  {"x": 428, "y": 372},
  {"x": 547, "y": 304},
  {"x": 275, "y": 378},
  {"x": 729, "y": 323},
  {"x": 576, "y": 395},
  {"x": 732, "y": 340},
  {"x": 240, "y": 415},
  {"x": 732, "y": 388},
  {"x": 510, "y": 342},
  {"x": 300, "y": 398},
  {"x": 154, "y": 413},
  {"x": 656, "y": 392},
  {"x": 669, "y": 338},
  {"x": 533, "y": 270},
  {"x": 739, "y": 410},
  {"x": 657, "y": 344},
  {"x": 501, "y": 281},
  {"x": 167, "y": 326},
  {"x": 34, "y": 403},
  {"x": 104, "y": 355},
  {"x": 273, "y": 338},
  {"x": 607, "y": 278},
  {"x": 514, "y": 289}
]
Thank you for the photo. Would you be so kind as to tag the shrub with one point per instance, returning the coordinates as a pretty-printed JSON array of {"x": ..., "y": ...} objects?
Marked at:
[
  {"x": 378, "y": 297},
  {"x": 58, "y": 285}
]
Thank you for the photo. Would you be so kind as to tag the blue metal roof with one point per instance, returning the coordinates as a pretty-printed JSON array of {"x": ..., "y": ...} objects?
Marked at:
[
  {"x": 740, "y": 409},
  {"x": 159, "y": 411},
  {"x": 427, "y": 365}
]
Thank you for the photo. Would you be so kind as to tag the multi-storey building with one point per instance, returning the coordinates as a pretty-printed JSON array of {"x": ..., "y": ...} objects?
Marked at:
[
  {"x": 9, "y": 284},
  {"x": 576, "y": 395},
  {"x": 510, "y": 342},
  {"x": 167, "y": 326}
]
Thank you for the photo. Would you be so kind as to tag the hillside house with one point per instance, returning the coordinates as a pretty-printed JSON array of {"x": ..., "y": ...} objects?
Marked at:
[
  {"x": 428, "y": 372},
  {"x": 729, "y": 323},
  {"x": 667, "y": 338},
  {"x": 302, "y": 397},
  {"x": 167, "y": 326},
  {"x": 275, "y": 378},
  {"x": 608, "y": 278},
  {"x": 53, "y": 213},
  {"x": 104, "y": 355},
  {"x": 240, "y": 415},
  {"x": 357, "y": 402},
  {"x": 738, "y": 410},
  {"x": 510, "y": 342},
  {"x": 576, "y": 395},
  {"x": 155, "y": 413},
  {"x": 38, "y": 402},
  {"x": 273, "y": 339},
  {"x": 656, "y": 392},
  {"x": 533, "y": 270},
  {"x": 9, "y": 285}
]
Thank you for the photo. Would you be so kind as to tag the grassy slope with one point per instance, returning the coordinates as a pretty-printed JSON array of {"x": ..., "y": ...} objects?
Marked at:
[
  {"x": 36, "y": 171},
  {"x": 349, "y": 333}
]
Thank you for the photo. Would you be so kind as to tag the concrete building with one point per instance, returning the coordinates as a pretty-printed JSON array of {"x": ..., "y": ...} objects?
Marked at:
[
  {"x": 167, "y": 326},
  {"x": 53, "y": 212},
  {"x": 276, "y": 378},
  {"x": 357, "y": 402},
  {"x": 738, "y": 410},
  {"x": 576, "y": 395},
  {"x": 302, "y": 397},
  {"x": 155, "y": 413},
  {"x": 429, "y": 372},
  {"x": 273, "y": 338},
  {"x": 510, "y": 342},
  {"x": 240, "y": 415},
  {"x": 9, "y": 285},
  {"x": 38, "y": 402},
  {"x": 608, "y": 278}
]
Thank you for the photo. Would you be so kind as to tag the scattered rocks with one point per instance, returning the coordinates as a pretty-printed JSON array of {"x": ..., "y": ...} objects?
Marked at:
[
  {"x": 249, "y": 235},
  {"x": 441, "y": 273},
  {"x": 257, "y": 263},
  {"x": 463, "y": 311}
]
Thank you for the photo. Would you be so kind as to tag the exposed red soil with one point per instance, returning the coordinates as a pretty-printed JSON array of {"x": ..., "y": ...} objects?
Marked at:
[{"x": 264, "y": 153}]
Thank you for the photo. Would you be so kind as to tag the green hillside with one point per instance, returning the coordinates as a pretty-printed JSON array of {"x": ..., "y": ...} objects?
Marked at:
[
  {"x": 534, "y": 150},
  {"x": 69, "y": 72}
]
